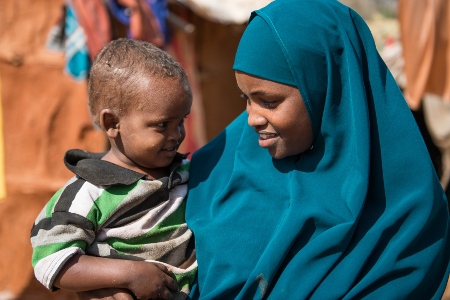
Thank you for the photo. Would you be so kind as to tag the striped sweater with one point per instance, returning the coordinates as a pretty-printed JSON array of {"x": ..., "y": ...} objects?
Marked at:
[{"x": 110, "y": 211}]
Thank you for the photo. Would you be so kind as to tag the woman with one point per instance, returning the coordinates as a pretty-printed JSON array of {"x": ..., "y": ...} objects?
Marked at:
[{"x": 340, "y": 199}]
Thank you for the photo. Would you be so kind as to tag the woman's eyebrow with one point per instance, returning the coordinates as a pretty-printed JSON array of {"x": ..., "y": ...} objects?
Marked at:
[
  {"x": 258, "y": 93},
  {"x": 254, "y": 93}
]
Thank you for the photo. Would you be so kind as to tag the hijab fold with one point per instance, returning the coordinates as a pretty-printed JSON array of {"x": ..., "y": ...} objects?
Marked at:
[{"x": 361, "y": 215}]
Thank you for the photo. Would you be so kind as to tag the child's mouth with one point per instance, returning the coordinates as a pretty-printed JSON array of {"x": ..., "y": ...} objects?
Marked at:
[{"x": 170, "y": 151}]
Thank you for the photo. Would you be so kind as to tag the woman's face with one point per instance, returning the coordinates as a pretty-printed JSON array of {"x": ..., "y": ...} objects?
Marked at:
[{"x": 278, "y": 114}]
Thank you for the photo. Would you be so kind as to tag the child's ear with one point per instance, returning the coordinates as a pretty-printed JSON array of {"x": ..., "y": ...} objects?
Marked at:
[{"x": 109, "y": 122}]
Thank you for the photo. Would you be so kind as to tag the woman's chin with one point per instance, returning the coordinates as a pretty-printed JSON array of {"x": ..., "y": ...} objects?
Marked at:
[{"x": 276, "y": 153}]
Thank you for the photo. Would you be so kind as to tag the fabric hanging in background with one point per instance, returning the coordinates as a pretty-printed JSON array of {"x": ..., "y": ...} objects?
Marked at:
[
  {"x": 76, "y": 51},
  {"x": 81, "y": 31},
  {"x": 93, "y": 17},
  {"x": 425, "y": 27},
  {"x": 145, "y": 19},
  {"x": 437, "y": 118},
  {"x": 182, "y": 48},
  {"x": 161, "y": 12},
  {"x": 57, "y": 36},
  {"x": 225, "y": 12},
  {"x": 425, "y": 37},
  {"x": 2, "y": 153},
  {"x": 85, "y": 27}
]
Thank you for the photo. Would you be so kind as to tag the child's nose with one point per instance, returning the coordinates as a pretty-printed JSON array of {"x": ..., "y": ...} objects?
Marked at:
[{"x": 176, "y": 133}]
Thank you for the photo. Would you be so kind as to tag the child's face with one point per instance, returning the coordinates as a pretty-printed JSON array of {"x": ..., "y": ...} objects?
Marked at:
[{"x": 150, "y": 137}]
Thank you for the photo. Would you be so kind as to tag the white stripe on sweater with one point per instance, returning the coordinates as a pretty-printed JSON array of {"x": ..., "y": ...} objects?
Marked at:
[
  {"x": 84, "y": 199},
  {"x": 149, "y": 220},
  {"x": 48, "y": 267},
  {"x": 62, "y": 234},
  {"x": 140, "y": 192}
]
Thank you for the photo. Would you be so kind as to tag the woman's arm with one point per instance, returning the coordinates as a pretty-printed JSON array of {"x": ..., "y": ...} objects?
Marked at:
[{"x": 144, "y": 279}]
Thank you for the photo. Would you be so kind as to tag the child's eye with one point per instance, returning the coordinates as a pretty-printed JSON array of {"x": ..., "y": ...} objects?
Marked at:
[
  {"x": 162, "y": 124},
  {"x": 182, "y": 121}
]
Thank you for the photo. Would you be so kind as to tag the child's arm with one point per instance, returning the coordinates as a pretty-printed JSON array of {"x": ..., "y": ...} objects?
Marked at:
[
  {"x": 106, "y": 294},
  {"x": 144, "y": 279}
]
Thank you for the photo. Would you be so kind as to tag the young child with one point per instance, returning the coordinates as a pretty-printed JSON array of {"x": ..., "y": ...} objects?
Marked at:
[{"x": 127, "y": 205}]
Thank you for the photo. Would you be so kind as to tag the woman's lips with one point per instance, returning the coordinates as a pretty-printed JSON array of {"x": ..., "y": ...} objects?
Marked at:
[{"x": 267, "y": 139}]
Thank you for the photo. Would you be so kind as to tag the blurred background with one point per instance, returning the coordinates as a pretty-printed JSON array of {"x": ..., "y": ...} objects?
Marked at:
[{"x": 46, "y": 48}]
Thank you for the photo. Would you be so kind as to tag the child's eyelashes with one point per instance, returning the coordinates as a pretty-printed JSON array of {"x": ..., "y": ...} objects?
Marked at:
[
  {"x": 166, "y": 124},
  {"x": 183, "y": 120}
]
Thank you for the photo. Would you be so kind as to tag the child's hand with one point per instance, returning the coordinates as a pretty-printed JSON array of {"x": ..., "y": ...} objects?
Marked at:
[
  {"x": 144, "y": 280},
  {"x": 106, "y": 294},
  {"x": 150, "y": 281}
]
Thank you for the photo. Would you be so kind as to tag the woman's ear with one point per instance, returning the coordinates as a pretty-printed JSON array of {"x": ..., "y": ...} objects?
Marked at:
[{"x": 109, "y": 122}]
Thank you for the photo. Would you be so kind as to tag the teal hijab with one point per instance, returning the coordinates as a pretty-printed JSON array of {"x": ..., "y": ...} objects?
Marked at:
[{"x": 361, "y": 215}]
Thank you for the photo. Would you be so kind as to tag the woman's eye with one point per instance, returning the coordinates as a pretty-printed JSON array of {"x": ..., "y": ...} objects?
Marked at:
[
  {"x": 268, "y": 104},
  {"x": 182, "y": 121},
  {"x": 246, "y": 98}
]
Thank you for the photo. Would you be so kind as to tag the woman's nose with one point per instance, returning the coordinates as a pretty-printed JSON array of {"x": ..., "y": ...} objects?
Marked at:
[{"x": 255, "y": 118}]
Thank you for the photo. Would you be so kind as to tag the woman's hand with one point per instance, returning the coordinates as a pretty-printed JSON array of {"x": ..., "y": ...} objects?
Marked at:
[{"x": 148, "y": 280}]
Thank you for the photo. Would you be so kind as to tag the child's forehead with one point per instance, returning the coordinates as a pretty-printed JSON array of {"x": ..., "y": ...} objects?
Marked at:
[
  {"x": 164, "y": 105},
  {"x": 157, "y": 89},
  {"x": 158, "y": 83}
]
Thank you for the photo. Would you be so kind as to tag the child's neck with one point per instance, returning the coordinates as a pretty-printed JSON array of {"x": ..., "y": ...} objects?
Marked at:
[{"x": 156, "y": 173}]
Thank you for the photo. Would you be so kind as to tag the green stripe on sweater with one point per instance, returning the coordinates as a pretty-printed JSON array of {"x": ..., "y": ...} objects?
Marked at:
[
  {"x": 156, "y": 234},
  {"x": 43, "y": 251},
  {"x": 185, "y": 280},
  {"x": 51, "y": 204},
  {"x": 108, "y": 201},
  {"x": 184, "y": 167}
]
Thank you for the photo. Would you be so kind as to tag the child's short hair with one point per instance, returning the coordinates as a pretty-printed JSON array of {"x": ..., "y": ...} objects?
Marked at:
[{"x": 119, "y": 68}]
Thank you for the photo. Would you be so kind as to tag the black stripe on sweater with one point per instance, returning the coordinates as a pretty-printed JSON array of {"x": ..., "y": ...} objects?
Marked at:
[
  {"x": 62, "y": 218},
  {"x": 68, "y": 195},
  {"x": 152, "y": 201}
]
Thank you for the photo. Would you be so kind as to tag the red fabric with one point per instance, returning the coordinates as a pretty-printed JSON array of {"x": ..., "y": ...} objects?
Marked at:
[
  {"x": 143, "y": 22},
  {"x": 93, "y": 17},
  {"x": 182, "y": 48}
]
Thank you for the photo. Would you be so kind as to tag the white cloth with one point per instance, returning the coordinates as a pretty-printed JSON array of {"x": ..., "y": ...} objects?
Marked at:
[{"x": 225, "y": 11}]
